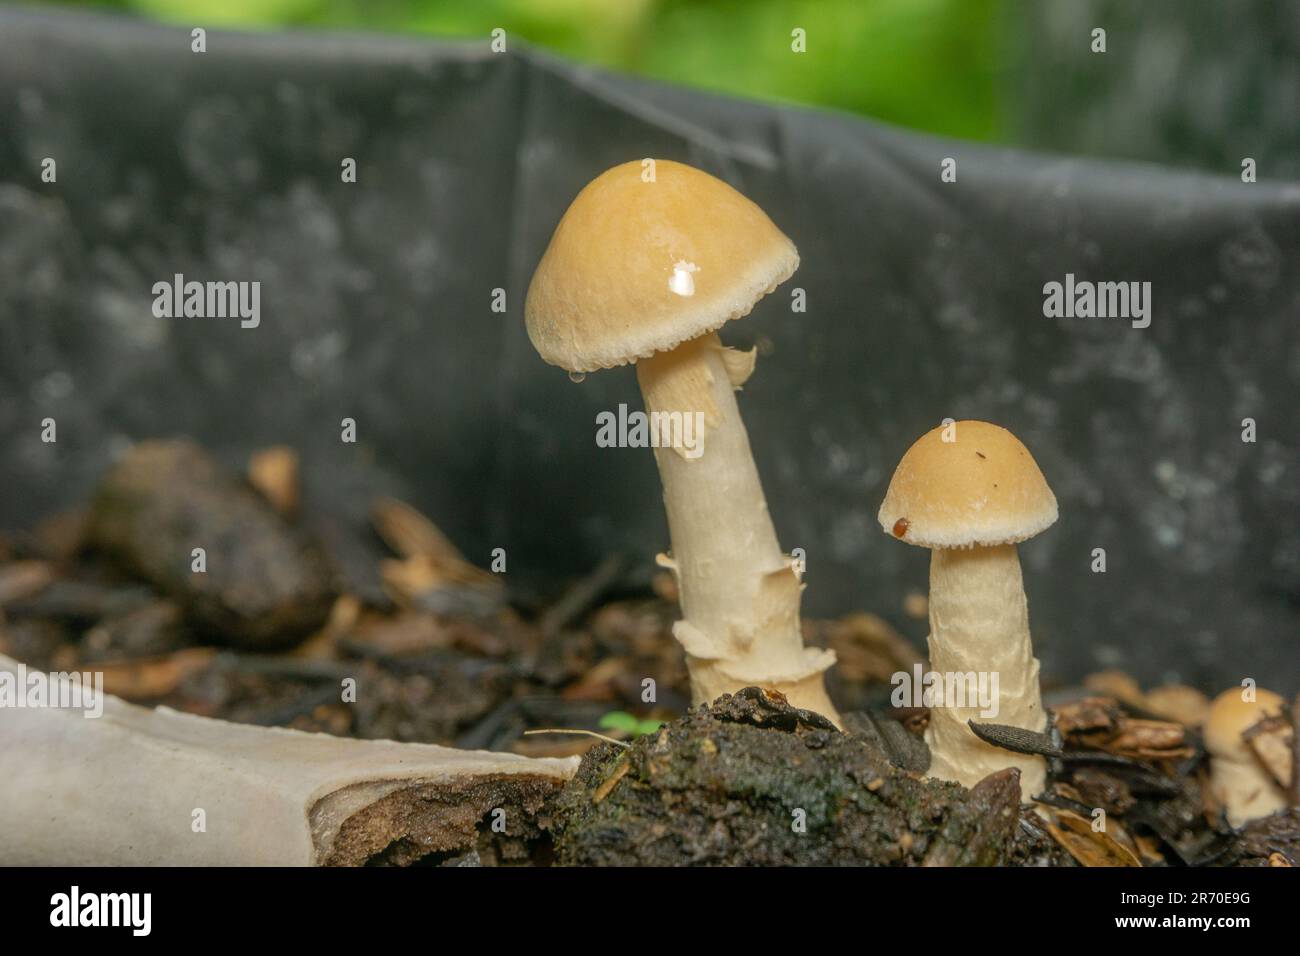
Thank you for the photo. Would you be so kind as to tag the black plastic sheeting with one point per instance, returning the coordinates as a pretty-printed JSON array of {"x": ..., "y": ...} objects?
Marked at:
[{"x": 924, "y": 300}]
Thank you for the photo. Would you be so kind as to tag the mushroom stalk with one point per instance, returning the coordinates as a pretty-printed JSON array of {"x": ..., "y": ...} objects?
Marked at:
[
  {"x": 979, "y": 622},
  {"x": 1243, "y": 788},
  {"x": 1238, "y": 779},
  {"x": 739, "y": 591}
]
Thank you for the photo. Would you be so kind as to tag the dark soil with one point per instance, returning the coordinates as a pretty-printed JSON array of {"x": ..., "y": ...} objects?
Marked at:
[
  {"x": 752, "y": 781},
  {"x": 748, "y": 781}
]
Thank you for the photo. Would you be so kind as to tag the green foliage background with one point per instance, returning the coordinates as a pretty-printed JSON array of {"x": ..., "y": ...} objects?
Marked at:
[
  {"x": 1196, "y": 83},
  {"x": 928, "y": 64}
]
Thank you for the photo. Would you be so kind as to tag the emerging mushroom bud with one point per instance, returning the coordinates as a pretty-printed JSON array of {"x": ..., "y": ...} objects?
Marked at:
[
  {"x": 1240, "y": 783},
  {"x": 646, "y": 270},
  {"x": 970, "y": 491}
]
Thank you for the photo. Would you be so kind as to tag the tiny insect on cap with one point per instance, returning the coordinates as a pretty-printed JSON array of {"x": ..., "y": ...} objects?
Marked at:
[
  {"x": 1230, "y": 716},
  {"x": 980, "y": 489},
  {"x": 638, "y": 266}
]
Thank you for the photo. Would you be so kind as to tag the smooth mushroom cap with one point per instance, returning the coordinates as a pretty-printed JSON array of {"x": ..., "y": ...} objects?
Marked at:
[
  {"x": 1230, "y": 717},
  {"x": 637, "y": 267},
  {"x": 983, "y": 489}
]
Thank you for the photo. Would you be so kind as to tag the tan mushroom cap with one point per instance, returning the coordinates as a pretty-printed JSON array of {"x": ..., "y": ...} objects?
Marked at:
[
  {"x": 1230, "y": 717},
  {"x": 637, "y": 267},
  {"x": 983, "y": 489}
]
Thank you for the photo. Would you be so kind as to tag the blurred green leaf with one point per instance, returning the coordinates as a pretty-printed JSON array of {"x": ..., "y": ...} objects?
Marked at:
[
  {"x": 929, "y": 64},
  {"x": 627, "y": 723}
]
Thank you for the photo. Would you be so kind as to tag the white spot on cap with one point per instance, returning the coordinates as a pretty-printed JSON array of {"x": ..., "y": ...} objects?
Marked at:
[{"x": 682, "y": 281}]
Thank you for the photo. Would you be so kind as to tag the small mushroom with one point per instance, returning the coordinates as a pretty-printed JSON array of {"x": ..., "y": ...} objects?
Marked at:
[
  {"x": 1239, "y": 782},
  {"x": 970, "y": 491},
  {"x": 645, "y": 270}
]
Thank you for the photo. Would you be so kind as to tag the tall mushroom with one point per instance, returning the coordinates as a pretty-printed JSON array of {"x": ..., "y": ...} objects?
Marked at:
[
  {"x": 970, "y": 491},
  {"x": 644, "y": 269},
  {"x": 1238, "y": 780}
]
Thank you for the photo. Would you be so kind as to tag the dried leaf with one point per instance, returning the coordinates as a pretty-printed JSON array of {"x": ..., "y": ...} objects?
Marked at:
[
  {"x": 1086, "y": 715},
  {"x": 405, "y": 580},
  {"x": 1149, "y": 739},
  {"x": 410, "y": 533},
  {"x": 154, "y": 677},
  {"x": 1090, "y": 847},
  {"x": 431, "y": 560}
]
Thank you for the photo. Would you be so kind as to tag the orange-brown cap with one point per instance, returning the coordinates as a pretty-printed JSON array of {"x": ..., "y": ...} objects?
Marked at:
[
  {"x": 637, "y": 267},
  {"x": 1230, "y": 716},
  {"x": 981, "y": 488}
]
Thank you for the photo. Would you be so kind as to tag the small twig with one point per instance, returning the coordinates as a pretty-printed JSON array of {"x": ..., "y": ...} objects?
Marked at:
[
  {"x": 580, "y": 598},
  {"x": 589, "y": 733}
]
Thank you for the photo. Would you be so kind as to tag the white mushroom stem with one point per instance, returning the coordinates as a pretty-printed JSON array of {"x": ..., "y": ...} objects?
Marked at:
[
  {"x": 979, "y": 623},
  {"x": 739, "y": 592},
  {"x": 157, "y": 787},
  {"x": 1243, "y": 788}
]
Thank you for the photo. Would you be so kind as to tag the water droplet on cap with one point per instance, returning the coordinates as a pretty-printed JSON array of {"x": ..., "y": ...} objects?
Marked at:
[{"x": 682, "y": 281}]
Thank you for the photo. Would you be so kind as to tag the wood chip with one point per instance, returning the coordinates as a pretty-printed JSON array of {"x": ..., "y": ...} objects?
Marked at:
[
  {"x": 611, "y": 782},
  {"x": 1086, "y": 715}
]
